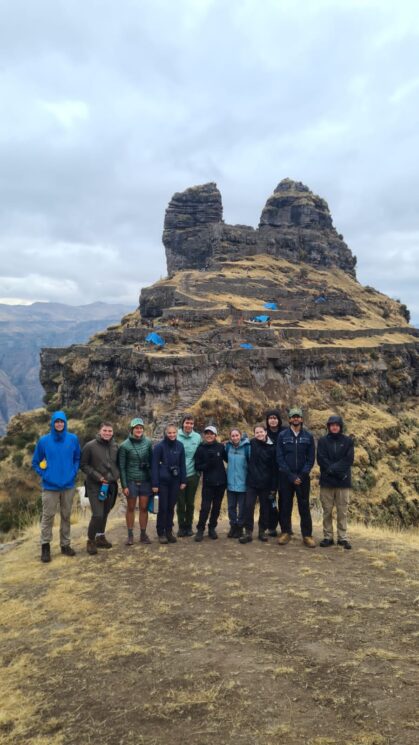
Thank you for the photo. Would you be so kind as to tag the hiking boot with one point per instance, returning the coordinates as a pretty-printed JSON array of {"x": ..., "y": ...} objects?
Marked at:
[
  {"x": 273, "y": 533},
  {"x": 68, "y": 551},
  {"x": 163, "y": 539},
  {"x": 45, "y": 553},
  {"x": 262, "y": 536},
  {"x": 212, "y": 533},
  {"x": 91, "y": 547},
  {"x": 345, "y": 543},
  {"x": 144, "y": 538},
  {"x": 182, "y": 533},
  {"x": 283, "y": 539},
  {"x": 170, "y": 537},
  {"x": 188, "y": 532},
  {"x": 239, "y": 532},
  {"x": 232, "y": 532},
  {"x": 102, "y": 542},
  {"x": 130, "y": 541},
  {"x": 247, "y": 537},
  {"x": 326, "y": 542},
  {"x": 199, "y": 536},
  {"x": 309, "y": 541}
]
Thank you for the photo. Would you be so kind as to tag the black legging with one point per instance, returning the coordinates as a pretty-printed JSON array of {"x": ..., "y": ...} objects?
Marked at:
[{"x": 101, "y": 510}]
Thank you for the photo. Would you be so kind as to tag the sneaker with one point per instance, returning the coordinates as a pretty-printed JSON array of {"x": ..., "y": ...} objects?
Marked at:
[
  {"x": 102, "y": 542},
  {"x": 45, "y": 553},
  {"x": 163, "y": 539},
  {"x": 68, "y": 551},
  {"x": 144, "y": 538},
  {"x": 284, "y": 538},
  {"x": 130, "y": 541},
  {"x": 91, "y": 547},
  {"x": 273, "y": 533},
  {"x": 212, "y": 533},
  {"x": 199, "y": 536},
  {"x": 182, "y": 533},
  {"x": 247, "y": 537},
  {"x": 327, "y": 542},
  {"x": 170, "y": 537},
  {"x": 345, "y": 543},
  {"x": 262, "y": 536},
  {"x": 309, "y": 541}
]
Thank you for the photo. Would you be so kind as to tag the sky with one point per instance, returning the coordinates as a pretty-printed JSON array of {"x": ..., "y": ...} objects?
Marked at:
[{"x": 107, "y": 108}]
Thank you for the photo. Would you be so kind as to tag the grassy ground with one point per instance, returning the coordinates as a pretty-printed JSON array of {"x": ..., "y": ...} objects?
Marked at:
[{"x": 211, "y": 643}]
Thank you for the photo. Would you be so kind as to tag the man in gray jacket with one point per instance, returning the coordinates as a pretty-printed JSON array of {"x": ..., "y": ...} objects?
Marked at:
[{"x": 99, "y": 463}]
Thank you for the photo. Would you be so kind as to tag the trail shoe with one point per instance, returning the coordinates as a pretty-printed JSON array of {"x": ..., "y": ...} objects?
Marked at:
[
  {"x": 45, "y": 553},
  {"x": 188, "y": 531},
  {"x": 199, "y": 536},
  {"x": 91, "y": 547},
  {"x": 144, "y": 538},
  {"x": 182, "y": 533},
  {"x": 283, "y": 539},
  {"x": 239, "y": 532},
  {"x": 327, "y": 542},
  {"x": 247, "y": 537},
  {"x": 102, "y": 542},
  {"x": 170, "y": 537},
  {"x": 163, "y": 539},
  {"x": 68, "y": 551},
  {"x": 309, "y": 541},
  {"x": 130, "y": 541},
  {"x": 273, "y": 533},
  {"x": 232, "y": 532},
  {"x": 262, "y": 536},
  {"x": 212, "y": 533},
  {"x": 345, "y": 543}
]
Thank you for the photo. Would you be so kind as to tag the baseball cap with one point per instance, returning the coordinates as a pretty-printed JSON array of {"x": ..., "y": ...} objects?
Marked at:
[
  {"x": 295, "y": 411},
  {"x": 211, "y": 428},
  {"x": 137, "y": 422}
]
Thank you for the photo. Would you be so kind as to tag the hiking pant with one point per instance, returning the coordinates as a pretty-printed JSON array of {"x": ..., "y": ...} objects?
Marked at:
[
  {"x": 302, "y": 493},
  {"x": 236, "y": 501},
  {"x": 186, "y": 502},
  {"x": 330, "y": 497},
  {"x": 168, "y": 492},
  {"x": 252, "y": 495},
  {"x": 100, "y": 510},
  {"x": 212, "y": 496},
  {"x": 51, "y": 502}
]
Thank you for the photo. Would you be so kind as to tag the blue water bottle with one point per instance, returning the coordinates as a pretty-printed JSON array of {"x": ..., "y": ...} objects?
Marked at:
[{"x": 103, "y": 493}]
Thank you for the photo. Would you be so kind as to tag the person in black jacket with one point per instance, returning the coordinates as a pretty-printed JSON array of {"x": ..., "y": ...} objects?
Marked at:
[
  {"x": 335, "y": 456},
  {"x": 273, "y": 428},
  {"x": 261, "y": 483},
  {"x": 168, "y": 475},
  {"x": 209, "y": 458},
  {"x": 295, "y": 457}
]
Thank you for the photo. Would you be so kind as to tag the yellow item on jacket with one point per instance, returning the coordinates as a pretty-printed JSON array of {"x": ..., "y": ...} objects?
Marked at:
[{"x": 43, "y": 464}]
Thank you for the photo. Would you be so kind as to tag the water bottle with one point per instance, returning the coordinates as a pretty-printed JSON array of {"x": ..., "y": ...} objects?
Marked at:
[
  {"x": 156, "y": 504},
  {"x": 103, "y": 493}
]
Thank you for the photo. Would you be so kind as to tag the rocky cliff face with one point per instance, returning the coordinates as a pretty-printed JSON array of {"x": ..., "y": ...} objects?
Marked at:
[
  {"x": 295, "y": 224},
  {"x": 327, "y": 343}
]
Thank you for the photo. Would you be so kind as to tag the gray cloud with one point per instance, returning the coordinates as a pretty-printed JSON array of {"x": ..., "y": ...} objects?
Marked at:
[{"x": 108, "y": 108}]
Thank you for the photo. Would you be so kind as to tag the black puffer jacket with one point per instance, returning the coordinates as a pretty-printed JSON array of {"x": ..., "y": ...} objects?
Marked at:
[
  {"x": 209, "y": 458},
  {"x": 335, "y": 456},
  {"x": 262, "y": 471}
]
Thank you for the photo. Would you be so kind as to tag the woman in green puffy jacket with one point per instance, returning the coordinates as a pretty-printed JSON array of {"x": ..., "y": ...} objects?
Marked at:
[{"x": 134, "y": 461}]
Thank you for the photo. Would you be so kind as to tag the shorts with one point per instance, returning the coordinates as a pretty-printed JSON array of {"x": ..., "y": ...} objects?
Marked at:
[{"x": 139, "y": 489}]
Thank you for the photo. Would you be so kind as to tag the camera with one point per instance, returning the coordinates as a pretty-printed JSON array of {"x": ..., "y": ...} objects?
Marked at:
[{"x": 174, "y": 470}]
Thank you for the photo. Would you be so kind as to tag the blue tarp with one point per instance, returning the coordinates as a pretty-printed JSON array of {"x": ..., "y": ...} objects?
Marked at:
[
  {"x": 261, "y": 319},
  {"x": 246, "y": 346},
  {"x": 154, "y": 338},
  {"x": 321, "y": 299},
  {"x": 270, "y": 306}
]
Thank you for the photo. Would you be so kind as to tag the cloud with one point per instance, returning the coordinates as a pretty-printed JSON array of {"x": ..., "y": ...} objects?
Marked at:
[{"x": 111, "y": 107}]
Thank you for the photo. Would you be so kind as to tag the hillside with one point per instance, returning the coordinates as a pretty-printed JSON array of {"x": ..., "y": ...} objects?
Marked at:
[{"x": 329, "y": 344}]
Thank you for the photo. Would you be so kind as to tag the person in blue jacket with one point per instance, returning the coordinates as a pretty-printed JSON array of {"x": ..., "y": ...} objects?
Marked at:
[
  {"x": 56, "y": 460},
  {"x": 237, "y": 454},
  {"x": 295, "y": 457},
  {"x": 168, "y": 475}
]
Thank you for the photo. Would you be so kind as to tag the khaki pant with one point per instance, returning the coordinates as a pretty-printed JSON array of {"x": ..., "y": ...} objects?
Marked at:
[
  {"x": 52, "y": 501},
  {"x": 329, "y": 498}
]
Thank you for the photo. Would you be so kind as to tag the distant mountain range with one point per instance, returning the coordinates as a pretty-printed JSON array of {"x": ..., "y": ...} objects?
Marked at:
[{"x": 25, "y": 329}]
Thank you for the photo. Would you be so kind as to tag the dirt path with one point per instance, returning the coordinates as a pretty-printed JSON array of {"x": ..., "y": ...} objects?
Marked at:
[{"x": 211, "y": 643}]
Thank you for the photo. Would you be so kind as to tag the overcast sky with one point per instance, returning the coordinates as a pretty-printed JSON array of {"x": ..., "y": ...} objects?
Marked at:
[{"x": 107, "y": 108}]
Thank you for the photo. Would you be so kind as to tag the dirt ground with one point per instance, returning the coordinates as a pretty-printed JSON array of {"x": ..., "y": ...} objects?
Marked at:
[{"x": 210, "y": 643}]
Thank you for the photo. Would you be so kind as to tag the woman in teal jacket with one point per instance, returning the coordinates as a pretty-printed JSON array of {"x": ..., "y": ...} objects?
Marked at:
[{"x": 237, "y": 456}]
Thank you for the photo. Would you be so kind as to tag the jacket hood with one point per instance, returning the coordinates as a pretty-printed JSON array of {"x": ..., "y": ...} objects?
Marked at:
[
  {"x": 58, "y": 415},
  {"x": 273, "y": 412},
  {"x": 335, "y": 419}
]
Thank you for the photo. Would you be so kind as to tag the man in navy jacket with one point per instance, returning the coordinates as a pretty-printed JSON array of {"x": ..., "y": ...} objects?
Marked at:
[{"x": 295, "y": 458}]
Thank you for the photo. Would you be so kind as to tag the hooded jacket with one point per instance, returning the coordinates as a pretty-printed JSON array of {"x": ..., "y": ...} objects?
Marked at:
[
  {"x": 61, "y": 451},
  {"x": 98, "y": 461},
  {"x": 190, "y": 443},
  {"x": 134, "y": 459},
  {"x": 168, "y": 454},
  {"x": 237, "y": 464},
  {"x": 209, "y": 458},
  {"x": 295, "y": 453},
  {"x": 335, "y": 456},
  {"x": 261, "y": 472}
]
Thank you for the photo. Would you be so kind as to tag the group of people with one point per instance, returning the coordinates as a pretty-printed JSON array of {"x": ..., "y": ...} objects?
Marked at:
[{"x": 270, "y": 468}]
